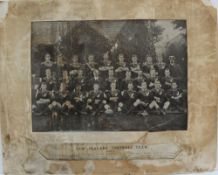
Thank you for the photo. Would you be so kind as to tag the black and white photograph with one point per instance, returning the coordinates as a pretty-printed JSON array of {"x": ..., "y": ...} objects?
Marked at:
[{"x": 109, "y": 75}]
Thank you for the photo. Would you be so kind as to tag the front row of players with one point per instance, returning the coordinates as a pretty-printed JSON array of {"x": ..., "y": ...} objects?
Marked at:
[{"x": 111, "y": 101}]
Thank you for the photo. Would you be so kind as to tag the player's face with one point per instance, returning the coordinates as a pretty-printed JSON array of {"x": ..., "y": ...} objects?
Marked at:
[
  {"x": 65, "y": 74},
  {"x": 157, "y": 85},
  {"x": 139, "y": 73},
  {"x": 121, "y": 58},
  {"x": 160, "y": 59},
  {"x": 105, "y": 57},
  {"x": 113, "y": 86},
  {"x": 134, "y": 59},
  {"x": 47, "y": 57},
  {"x": 96, "y": 87},
  {"x": 91, "y": 58},
  {"x": 130, "y": 86},
  {"x": 128, "y": 74},
  {"x": 149, "y": 60},
  {"x": 144, "y": 85},
  {"x": 75, "y": 58},
  {"x": 62, "y": 87},
  {"x": 167, "y": 72},
  {"x": 174, "y": 86},
  {"x": 96, "y": 73},
  {"x": 111, "y": 73},
  {"x": 152, "y": 73},
  {"x": 60, "y": 59},
  {"x": 44, "y": 87},
  {"x": 48, "y": 73},
  {"x": 78, "y": 88},
  {"x": 80, "y": 73},
  {"x": 172, "y": 61}
]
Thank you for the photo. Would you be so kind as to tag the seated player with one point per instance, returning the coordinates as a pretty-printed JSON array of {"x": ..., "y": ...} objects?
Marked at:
[
  {"x": 112, "y": 97},
  {"x": 43, "y": 98},
  {"x": 74, "y": 63},
  {"x": 43, "y": 95},
  {"x": 111, "y": 78},
  {"x": 175, "y": 97},
  {"x": 160, "y": 66},
  {"x": 48, "y": 79},
  {"x": 124, "y": 83},
  {"x": 81, "y": 79},
  {"x": 143, "y": 99},
  {"x": 72, "y": 80},
  {"x": 68, "y": 108},
  {"x": 139, "y": 79},
  {"x": 78, "y": 99},
  {"x": 94, "y": 100},
  {"x": 151, "y": 78},
  {"x": 56, "y": 121},
  {"x": 148, "y": 65},
  {"x": 135, "y": 66},
  {"x": 167, "y": 80},
  {"x": 94, "y": 79},
  {"x": 63, "y": 94},
  {"x": 128, "y": 97},
  {"x": 159, "y": 101},
  {"x": 65, "y": 77},
  {"x": 121, "y": 67},
  {"x": 106, "y": 66}
]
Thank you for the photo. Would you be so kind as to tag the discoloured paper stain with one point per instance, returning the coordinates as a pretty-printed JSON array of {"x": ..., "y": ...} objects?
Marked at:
[
  {"x": 22, "y": 146},
  {"x": 3, "y": 10},
  {"x": 119, "y": 151}
]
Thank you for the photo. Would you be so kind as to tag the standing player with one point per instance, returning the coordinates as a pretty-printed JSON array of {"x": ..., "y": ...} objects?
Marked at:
[
  {"x": 91, "y": 65},
  {"x": 106, "y": 66},
  {"x": 174, "y": 68},
  {"x": 46, "y": 64},
  {"x": 74, "y": 63},
  {"x": 134, "y": 66},
  {"x": 148, "y": 65},
  {"x": 121, "y": 67},
  {"x": 160, "y": 66}
]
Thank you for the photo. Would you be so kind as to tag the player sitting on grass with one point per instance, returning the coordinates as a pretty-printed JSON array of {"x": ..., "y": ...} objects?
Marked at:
[
  {"x": 112, "y": 97},
  {"x": 143, "y": 99},
  {"x": 128, "y": 97},
  {"x": 159, "y": 101}
]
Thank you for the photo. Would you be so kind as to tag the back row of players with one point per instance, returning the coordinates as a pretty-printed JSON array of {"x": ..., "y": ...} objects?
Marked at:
[{"x": 109, "y": 87}]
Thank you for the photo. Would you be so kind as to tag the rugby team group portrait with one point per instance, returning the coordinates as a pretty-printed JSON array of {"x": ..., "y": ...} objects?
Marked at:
[{"x": 85, "y": 81}]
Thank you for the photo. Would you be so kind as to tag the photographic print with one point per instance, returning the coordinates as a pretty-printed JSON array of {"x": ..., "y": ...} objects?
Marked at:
[{"x": 109, "y": 75}]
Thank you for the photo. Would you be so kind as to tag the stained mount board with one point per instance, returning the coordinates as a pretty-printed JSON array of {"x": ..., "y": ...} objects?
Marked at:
[{"x": 53, "y": 152}]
